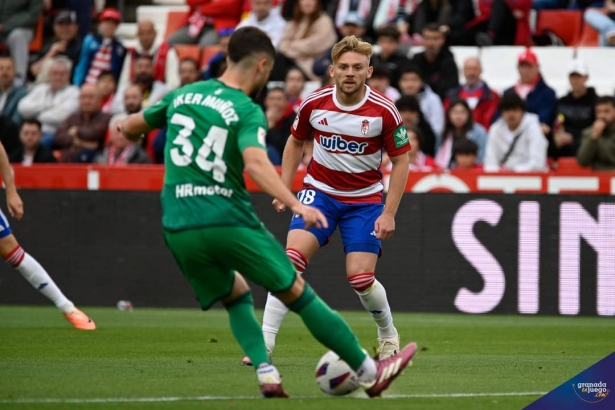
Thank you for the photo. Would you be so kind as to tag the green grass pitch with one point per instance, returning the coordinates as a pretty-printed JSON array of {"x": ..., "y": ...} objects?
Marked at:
[{"x": 187, "y": 359}]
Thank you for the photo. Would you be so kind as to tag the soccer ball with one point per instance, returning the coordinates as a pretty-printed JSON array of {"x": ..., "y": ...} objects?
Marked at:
[{"x": 334, "y": 376}]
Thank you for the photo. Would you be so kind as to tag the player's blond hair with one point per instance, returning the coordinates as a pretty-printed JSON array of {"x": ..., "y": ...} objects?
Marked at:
[{"x": 351, "y": 44}]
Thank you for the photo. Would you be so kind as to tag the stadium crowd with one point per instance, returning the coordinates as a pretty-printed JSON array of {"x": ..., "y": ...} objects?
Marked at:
[{"x": 60, "y": 104}]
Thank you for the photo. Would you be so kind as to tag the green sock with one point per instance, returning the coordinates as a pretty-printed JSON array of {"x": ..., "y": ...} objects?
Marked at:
[
  {"x": 247, "y": 330},
  {"x": 328, "y": 327}
]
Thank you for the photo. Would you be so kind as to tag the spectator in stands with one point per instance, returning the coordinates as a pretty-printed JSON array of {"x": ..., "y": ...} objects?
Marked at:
[
  {"x": 164, "y": 58},
  {"x": 52, "y": 102},
  {"x": 516, "y": 142},
  {"x": 450, "y": 16},
  {"x": 101, "y": 52},
  {"x": 295, "y": 84},
  {"x": 381, "y": 82},
  {"x": 280, "y": 116},
  {"x": 10, "y": 92},
  {"x": 120, "y": 151},
  {"x": 82, "y": 134},
  {"x": 353, "y": 26},
  {"x": 343, "y": 11},
  {"x": 603, "y": 22},
  {"x": 107, "y": 85},
  {"x": 411, "y": 83},
  {"x": 133, "y": 99},
  {"x": 9, "y": 135},
  {"x": 482, "y": 100},
  {"x": 18, "y": 19},
  {"x": 83, "y": 9},
  {"x": 205, "y": 20},
  {"x": 307, "y": 36},
  {"x": 574, "y": 112},
  {"x": 65, "y": 42},
  {"x": 465, "y": 152},
  {"x": 437, "y": 64},
  {"x": 267, "y": 18},
  {"x": 31, "y": 151},
  {"x": 153, "y": 90},
  {"x": 419, "y": 161},
  {"x": 217, "y": 64},
  {"x": 459, "y": 125},
  {"x": 598, "y": 145},
  {"x": 188, "y": 71},
  {"x": 539, "y": 97},
  {"x": 410, "y": 111},
  {"x": 390, "y": 54},
  {"x": 501, "y": 23}
]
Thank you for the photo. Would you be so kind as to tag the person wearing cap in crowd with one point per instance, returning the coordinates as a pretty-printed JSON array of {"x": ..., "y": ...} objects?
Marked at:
[
  {"x": 267, "y": 18},
  {"x": 573, "y": 112},
  {"x": 353, "y": 25},
  {"x": 482, "y": 100},
  {"x": 18, "y": 19},
  {"x": 205, "y": 20},
  {"x": 539, "y": 98},
  {"x": 163, "y": 57},
  {"x": 102, "y": 51},
  {"x": 65, "y": 42}
]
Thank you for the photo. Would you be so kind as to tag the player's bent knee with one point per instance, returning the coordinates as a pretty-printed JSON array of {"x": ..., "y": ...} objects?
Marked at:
[
  {"x": 8, "y": 245},
  {"x": 362, "y": 281}
]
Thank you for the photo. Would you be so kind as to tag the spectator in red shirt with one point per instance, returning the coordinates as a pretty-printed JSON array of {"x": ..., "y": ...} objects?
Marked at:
[
  {"x": 295, "y": 83},
  {"x": 482, "y": 100},
  {"x": 205, "y": 19},
  {"x": 107, "y": 85}
]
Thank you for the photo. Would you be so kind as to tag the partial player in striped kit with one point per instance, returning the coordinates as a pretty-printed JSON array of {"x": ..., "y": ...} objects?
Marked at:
[
  {"x": 30, "y": 269},
  {"x": 350, "y": 124}
]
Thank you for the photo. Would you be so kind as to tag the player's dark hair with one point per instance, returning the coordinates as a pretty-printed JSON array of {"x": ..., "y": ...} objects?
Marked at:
[
  {"x": 606, "y": 99},
  {"x": 107, "y": 73},
  {"x": 381, "y": 71},
  {"x": 408, "y": 103},
  {"x": 247, "y": 42},
  {"x": 390, "y": 31},
  {"x": 465, "y": 146},
  {"x": 32, "y": 121},
  {"x": 511, "y": 101},
  {"x": 411, "y": 69},
  {"x": 190, "y": 60}
]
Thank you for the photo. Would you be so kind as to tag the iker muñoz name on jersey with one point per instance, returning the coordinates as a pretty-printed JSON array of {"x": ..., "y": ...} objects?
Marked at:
[{"x": 223, "y": 107}]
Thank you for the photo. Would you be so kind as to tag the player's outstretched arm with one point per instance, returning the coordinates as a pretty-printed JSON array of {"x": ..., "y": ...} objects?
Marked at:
[
  {"x": 260, "y": 169},
  {"x": 134, "y": 127},
  {"x": 13, "y": 201},
  {"x": 291, "y": 158},
  {"x": 385, "y": 224}
]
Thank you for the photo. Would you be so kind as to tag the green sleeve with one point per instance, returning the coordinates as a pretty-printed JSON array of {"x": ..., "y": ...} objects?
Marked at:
[
  {"x": 252, "y": 129},
  {"x": 156, "y": 115}
]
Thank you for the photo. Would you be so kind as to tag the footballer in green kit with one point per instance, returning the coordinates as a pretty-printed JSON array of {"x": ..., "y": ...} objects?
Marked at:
[{"x": 215, "y": 133}]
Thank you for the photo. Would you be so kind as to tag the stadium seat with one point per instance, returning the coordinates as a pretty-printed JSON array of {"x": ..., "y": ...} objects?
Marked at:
[
  {"x": 588, "y": 37},
  {"x": 188, "y": 51},
  {"x": 500, "y": 66},
  {"x": 554, "y": 62},
  {"x": 568, "y": 164},
  {"x": 174, "y": 22},
  {"x": 566, "y": 24},
  {"x": 461, "y": 54},
  {"x": 601, "y": 61},
  {"x": 207, "y": 54}
]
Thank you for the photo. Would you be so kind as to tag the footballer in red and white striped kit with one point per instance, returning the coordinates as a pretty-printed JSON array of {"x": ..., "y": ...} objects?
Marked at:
[{"x": 350, "y": 124}]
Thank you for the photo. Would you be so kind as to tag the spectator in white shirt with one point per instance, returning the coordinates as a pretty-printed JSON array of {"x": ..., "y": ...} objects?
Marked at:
[
  {"x": 52, "y": 102},
  {"x": 153, "y": 90},
  {"x": 267, "y": 18},
  {"x": 516, "y": 142}
]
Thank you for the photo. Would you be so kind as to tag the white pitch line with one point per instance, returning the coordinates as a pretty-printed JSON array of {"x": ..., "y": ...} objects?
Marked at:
[{"x": 210, "y": 398}]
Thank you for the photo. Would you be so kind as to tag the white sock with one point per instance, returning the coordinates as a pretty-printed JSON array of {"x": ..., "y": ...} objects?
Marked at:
[
  {"x": 275, "y": 312},
  {"x": 267, "y": 373},
  {"x": 375, "y": 301},
  {"x": 367, "y": 372},
  {"x": 34, "y": 273}
]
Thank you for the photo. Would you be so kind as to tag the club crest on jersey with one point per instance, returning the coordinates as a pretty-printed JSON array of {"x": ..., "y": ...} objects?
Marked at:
[
  {"x": 336, "y": 143},
  {"x": 364, "y": 127}
]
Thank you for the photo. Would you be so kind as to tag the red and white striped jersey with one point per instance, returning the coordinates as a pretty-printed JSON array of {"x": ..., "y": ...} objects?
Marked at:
[{"x": 348, "y": 143}]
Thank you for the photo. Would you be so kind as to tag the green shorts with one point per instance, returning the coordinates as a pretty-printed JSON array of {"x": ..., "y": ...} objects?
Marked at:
[{"x": 209, "y": 257}]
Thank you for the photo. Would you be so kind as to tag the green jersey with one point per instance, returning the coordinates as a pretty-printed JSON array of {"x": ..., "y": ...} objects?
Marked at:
[{"x": 209, "y": 126}]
